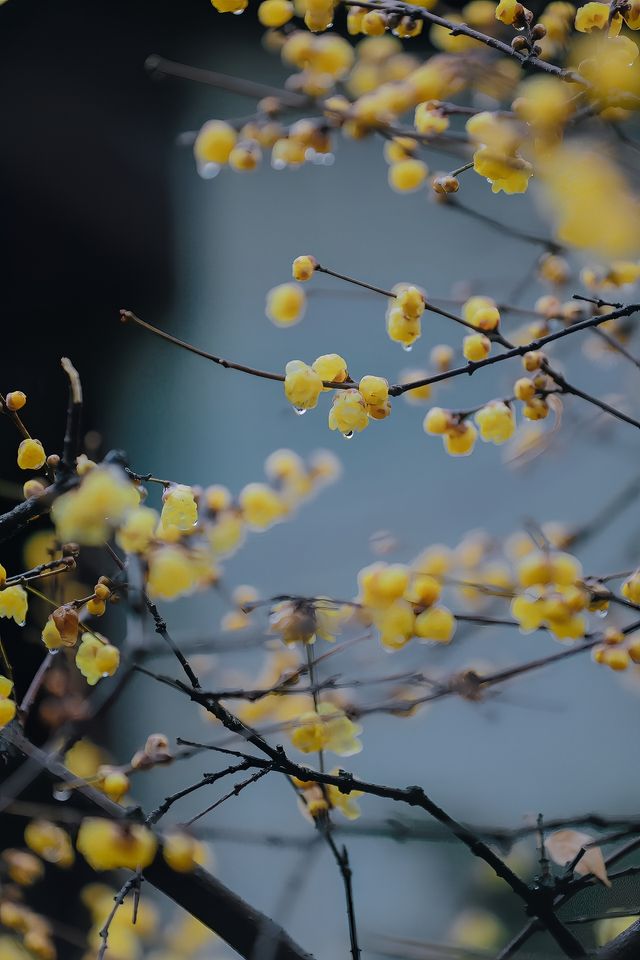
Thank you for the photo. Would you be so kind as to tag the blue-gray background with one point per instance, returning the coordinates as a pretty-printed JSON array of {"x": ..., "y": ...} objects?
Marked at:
[
  {"x": 561, "y": 741},
  {"x": 118, "y": 217}
]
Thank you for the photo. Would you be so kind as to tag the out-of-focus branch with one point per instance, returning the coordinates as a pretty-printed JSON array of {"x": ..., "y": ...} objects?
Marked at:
[
  {"x": 200, "y": 894},
  {"x": 624, "y": 947}
]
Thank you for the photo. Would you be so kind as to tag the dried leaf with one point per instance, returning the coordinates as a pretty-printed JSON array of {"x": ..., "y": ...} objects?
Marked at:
[
  {"x": 66, "y": 620},
  {"x": 564, "y": 845}
]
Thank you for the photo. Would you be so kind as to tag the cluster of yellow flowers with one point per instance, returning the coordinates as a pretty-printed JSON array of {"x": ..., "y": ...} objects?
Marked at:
[
  {"x": 385, "y": 83},
  {"x": 31, "y": 933},
  {"x": 352, "y": 409},
  {"x": 196, "y": 527},
  {"x": 554, "y": 595},
  {"x": 110, "y": 845},
  {"x": 105, "y": 845},
  {"x": 402, "y": 602},
  {"x": 495, "y": 421}
]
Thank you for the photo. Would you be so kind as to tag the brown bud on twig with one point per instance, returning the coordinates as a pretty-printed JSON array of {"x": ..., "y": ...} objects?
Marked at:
[{"x": 445, "y": 184}]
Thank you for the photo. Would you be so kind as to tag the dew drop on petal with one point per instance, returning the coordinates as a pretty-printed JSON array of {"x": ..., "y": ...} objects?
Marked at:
[
  {"x": 61, "y": 795},
  {"x": 300, "y": 411},
  {"x": 407, "y": 347},
  {"x": 601, "y": 613},
  {"x": 348, "y": 435},
  {"x": 208, "y": 170}
]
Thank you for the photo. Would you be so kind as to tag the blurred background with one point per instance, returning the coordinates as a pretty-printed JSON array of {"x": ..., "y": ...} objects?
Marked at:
[{"x": 104, "y": 209}]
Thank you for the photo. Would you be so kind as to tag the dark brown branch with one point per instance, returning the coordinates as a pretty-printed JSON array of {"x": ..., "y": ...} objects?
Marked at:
[
  {"x": 461, "y": 29},
  {"x": 470, "y": 368},
  {"x": 160, "y": 66},
  {"x": 199, "y": 893},
  {"x": 71, "y": 444}
]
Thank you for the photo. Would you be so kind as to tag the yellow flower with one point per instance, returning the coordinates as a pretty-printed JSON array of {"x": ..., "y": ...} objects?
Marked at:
[
  {"x": 405, "y": 176},
  {"x": 496, "y": 422},
  {"x": 13, "y": 604},
  {"x": 630, "y": 589},
  {"x": 402, "y": 329},
  {"x": 510, "y": 174},
  {"x": 478, "y": 930},
  {"x": 39, "y": 548},
  {"x": 544, "y": 102},
  {"x": 348, "y": 413},
  {"x": 51, "y": 635},
  {"x": 113, "y": 782},
  {"x": 591, "y": 201},
  {"x": 50, "y": 842},
  {"x": 396, "y": 624},
  {"x": 429, "y": 120},
  {"x": 286, "y": 303},
  {"x": 261, "y": 506},
  {"x": 107, "y": 845},
  {"x": 328, "y": 728},
  {"x": 302, "y": 385},
  {"x": 476, "y": 347},
  {"x": 424, "y": 589},
  {"x": 7, "y": 706},
  {"x": 137, "y": 530},
  {"x": 437, "y": 421},
  {"x": 508, "y": 11},
  {"x": 374, "y": 390},
  {"x": 171, "y": 573},
  {"x": 382, "y": 583},
  {"x": 96, "y": 659},
  {"x": 330, "y": 367},
  {"x": 595, "y": 16},
  {"x": 216, "y": 139},
  {"x": 227, "y": 534},
  {"x": 31, "y": 455},
  {"x": 346, "y": 803},
  {"x": 83, "y": 759},
  {"x": 459, "y": 441},
  {"x": 528, "y": 612},
  {"x": 275, "y": 13},
  {"x": 102, "y": 501},
  {"x": 304, "y": 267},
  {"x": 179, "y": 509},
  {"x": 437, "y": 624},
  {"x": 183, "y": 852}
]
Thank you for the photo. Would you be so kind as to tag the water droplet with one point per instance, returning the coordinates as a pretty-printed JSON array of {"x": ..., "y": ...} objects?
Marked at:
[
  {"x": 208, "y": 170},
  {"x": 278, "y": 164},
  {"x": 300, "y": 411},
  {"x": 602, "y": 613},
  {"x": 407, "y": 347},
  {"x": 348, "y": 435},
  {"x": 61, "y": 795}
]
